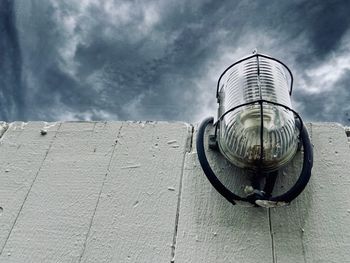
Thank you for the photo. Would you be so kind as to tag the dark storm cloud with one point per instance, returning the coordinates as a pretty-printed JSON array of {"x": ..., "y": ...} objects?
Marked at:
[
  {"x": 11, "y": 89},
  {"x": 327, "y": 24},
  {"x": 160, "y": 60}
]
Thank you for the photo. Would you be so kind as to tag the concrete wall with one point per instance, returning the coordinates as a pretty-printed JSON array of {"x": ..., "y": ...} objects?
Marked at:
[{"x": 135, "y": 192}]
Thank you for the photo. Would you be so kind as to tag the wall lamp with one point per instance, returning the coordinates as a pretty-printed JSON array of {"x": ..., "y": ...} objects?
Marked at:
[{"x": 256, "y": 129}]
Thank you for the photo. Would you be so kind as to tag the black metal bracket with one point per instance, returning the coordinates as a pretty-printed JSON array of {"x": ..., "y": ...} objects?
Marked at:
[{"x": 257, "y": 197}]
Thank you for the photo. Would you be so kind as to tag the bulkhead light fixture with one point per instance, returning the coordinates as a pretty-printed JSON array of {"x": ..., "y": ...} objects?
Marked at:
[{"x": 257, "y": 129}]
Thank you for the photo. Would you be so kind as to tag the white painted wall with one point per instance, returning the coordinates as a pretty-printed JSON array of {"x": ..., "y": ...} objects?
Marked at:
[{"x": 135, "y": 192}]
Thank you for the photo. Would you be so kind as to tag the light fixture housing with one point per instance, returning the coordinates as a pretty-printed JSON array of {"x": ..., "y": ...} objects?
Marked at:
[{"x": 257, "y": 129}]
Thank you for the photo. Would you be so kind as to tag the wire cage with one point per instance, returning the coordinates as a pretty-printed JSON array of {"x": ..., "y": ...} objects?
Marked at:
[
  {"x": 256, "y": 125},
  {"x": 257, "y": 129}
]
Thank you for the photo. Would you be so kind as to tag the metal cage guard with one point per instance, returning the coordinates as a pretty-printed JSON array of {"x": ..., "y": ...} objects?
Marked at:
[{"x": 259, "y": 193}]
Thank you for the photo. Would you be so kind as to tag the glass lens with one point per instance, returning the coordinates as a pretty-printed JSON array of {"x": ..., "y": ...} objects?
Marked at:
[{"x": 240, "y": 130}]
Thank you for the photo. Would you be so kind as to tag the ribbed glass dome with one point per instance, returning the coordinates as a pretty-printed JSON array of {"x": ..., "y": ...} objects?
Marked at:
[{"x": 239, "y": 137}]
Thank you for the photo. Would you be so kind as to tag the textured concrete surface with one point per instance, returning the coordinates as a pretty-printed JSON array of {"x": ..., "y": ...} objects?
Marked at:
[{"x": 135, "y": 192}]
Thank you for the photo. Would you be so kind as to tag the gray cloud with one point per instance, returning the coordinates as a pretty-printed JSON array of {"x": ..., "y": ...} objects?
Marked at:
[
  {"x": 12, "y": 92},
  {"x": 160, "y": 60}
]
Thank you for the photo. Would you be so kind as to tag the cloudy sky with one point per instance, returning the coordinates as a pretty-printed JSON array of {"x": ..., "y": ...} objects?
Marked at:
[{"x": 160, "y": 59}]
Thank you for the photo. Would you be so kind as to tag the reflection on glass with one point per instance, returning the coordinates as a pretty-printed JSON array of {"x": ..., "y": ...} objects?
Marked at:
[{"x": 239, "y": 131}]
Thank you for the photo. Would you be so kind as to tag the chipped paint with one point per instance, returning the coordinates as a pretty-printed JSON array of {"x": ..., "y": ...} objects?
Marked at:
[{"x": 131, "y": 166}]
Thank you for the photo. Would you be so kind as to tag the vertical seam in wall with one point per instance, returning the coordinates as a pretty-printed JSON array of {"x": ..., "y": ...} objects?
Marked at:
[
  {"x": 274, "y": 259},
  {"x": 301, "y": 231},
  {"x": 298, "y": 204},
  {"x": 100, "y": 192},
  {"x": 188, "y": 149},
  {"x": 30, "y": 188},
  {"x": 311, "y": 133}
]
